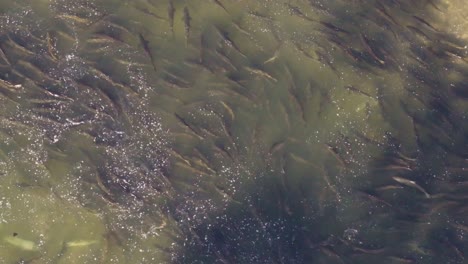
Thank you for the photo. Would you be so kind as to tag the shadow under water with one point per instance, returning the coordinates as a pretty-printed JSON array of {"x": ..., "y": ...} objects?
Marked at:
[{"x": 170, "y": 131}]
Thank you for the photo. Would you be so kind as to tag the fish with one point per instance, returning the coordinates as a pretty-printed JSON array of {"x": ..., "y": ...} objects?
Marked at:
[
  {"x": 218, "y": 2},
  {"x": 226, "y": 59},
  {"x": 179, "y": 156},
  {"x": 336, "y": 154},
  {"x": 190, "y": 168},
  {"x": 327, "y": 60},
  {"x": 175, "y": 80},
  {"x": 435, "y": 6},
  {"x": 277, "y": 146},
  {"x": 19, "y": 47},
  {"x": 228, "y": 109},
  {"x": 398, "y": 259},
  {"x": 356, "y": 90},
  {"x": 419, "y": 32},
  {"x": 187, "y": 20},
  {"x": 146, "y": 47},
  {"x": 261, "y": 73},
  {"x": 161, "y": 226},
  {"x": 171, "y": 12},
  {"x": 228, "y": 133},
  {"x": 410, "y": 183},
  {"x": 150, "y": 13},
  {"x": 51, "y": 46},
  {"x": 260, "y": 15},
  {"x": 330, "y": 252},
  {"x": 333, "y": 27},
  {"x": 229, "y": 41},
  {"x": 303, "y": 51},
  {"x": 74, "y": 19},
  {"x": 396, "y": 167},
  {"x": 275, "y": 56},
  {"x": 381, "y": 11},
  {"x": 99, "y": 73},
  {"x": 102, "y": 186},
  {"x": 373, "y": 198},
  {"x": 102, "y": 39},
  {"x": 389, "y": 187},
  {"x": 80, "y": 243},
  {"x": 204, "y": 165},
  {"x": 64, "y": 36},
  {"x": 240, "y": 29},
  {"x": 292, "y": 89},
  {"x": 223, "y": 150},
  {"x": 21, "y": 243},
  {"x": 369, "y": 251},
  {"x": 9, "y": 86},
  {"x": 4, "y": 57},
  {"x": 285, "y": 113},
  {"x": 369, "y": 49},
  {"x": 35, "y": 73},
  {"x": 297, "y": 12},
  {"x": 187, "y": 125},
  {"x": 224, "y": 194},
  {"x": 425, "y": 23}
]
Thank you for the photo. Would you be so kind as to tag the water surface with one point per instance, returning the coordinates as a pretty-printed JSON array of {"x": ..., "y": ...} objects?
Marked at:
[{"x": 269, "y": 131}]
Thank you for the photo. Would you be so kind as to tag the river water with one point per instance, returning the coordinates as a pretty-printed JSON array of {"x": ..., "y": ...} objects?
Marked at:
[{"x": 233, "y": 131}]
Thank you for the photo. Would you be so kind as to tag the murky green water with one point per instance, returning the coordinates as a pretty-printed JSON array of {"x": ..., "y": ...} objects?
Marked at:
[{"x": 203, "y": 131}]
